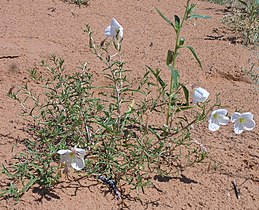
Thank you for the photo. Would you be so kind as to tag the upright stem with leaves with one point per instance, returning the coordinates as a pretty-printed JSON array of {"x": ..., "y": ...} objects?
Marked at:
[
  {"x": 172, "y": 55},
  {"x": 115, "y": 65}
]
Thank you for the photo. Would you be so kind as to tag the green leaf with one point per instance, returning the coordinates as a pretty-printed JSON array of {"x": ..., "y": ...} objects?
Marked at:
[
  {"x": 159, "y": 79},
  {"x": 154, "y": 132},
  {"x": 190, "y": 9},
  {"x": 7, "y": 172},
  {"x": 29, "y": 184},
  {"x": 183, "y": 108},
  {"x": 165, "y": 18},
  {"x": 200, "y": 16},
  {"x": 176, "y": 77},
  {"x": 186, "y": 94},
  {"x": 243, "y": 2},
  {"x": 170, "y": 55},
  {"x": 177, "y": 22},
  {"x": 4, "y": 193},
  {"x": 194, "y": 54}
]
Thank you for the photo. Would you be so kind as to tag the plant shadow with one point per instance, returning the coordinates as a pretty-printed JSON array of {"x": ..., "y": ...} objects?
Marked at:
[
  {"x": 45, "y": 193},
  {"x": 182, "y": 179},
  {"x": 146, "y": 203},
  {"x": 231, "y": 39},
  {"x": 49, "y": 193}
]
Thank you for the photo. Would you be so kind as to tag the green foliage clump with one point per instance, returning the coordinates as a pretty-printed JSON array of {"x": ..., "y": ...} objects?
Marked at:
[
  {"x": 79, "y": 2},
  {"x": 222, "y": 2},
  {"x": 117, "y": 124},
  {"x": 244, "y": 20}
]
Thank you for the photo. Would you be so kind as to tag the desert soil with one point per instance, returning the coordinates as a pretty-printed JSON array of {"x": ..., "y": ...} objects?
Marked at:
[{"x": 32, "y": 30}]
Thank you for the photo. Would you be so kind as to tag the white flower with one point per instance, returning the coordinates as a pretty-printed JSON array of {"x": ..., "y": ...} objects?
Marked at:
[
  {"x": 243, "y": 122},
  {"x": 218, "y": 117},
  {"x": 114, "y": 29},
  {"x": 73, "y": 158},
  {"x": 200, "y": 95}
]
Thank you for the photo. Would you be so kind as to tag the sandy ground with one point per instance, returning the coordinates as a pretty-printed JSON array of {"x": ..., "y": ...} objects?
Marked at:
[{"x": 32, "y": 30}]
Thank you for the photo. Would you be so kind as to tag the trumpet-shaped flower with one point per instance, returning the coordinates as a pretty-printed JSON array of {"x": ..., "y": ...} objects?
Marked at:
[
  {"x": 218, "y": 117},
  {"x": 114, "y": 29},
  {"x": 242, "y": 122},
  {"x": 73, "y": 158},
  {"x": 200, "y": 95}
]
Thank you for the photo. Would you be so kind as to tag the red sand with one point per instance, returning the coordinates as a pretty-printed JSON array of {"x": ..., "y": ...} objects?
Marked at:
[{"x": 32, "y": 30}]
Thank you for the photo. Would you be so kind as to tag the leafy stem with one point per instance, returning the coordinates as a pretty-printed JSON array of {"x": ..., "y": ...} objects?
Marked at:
[
  {"x": 172, "y": 56},
  {"x": 178, "y": 28}
]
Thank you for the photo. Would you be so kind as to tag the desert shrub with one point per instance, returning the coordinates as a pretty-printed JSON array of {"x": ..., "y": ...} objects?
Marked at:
[
  {"x": 253, "y": 73},
  {"x": 127, "y": 132},
  {"x": 243, "y": 19},
  {"x": 78, "y": 2},
  {"x": 222, "y": 2}
]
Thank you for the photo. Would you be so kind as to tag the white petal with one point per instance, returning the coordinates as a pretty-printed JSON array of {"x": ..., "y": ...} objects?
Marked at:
[
  {"x": 108, "y": 31},
  {"x": 223, "y": 120},
  {"x": 78, "y": 163},
  {"x": 115, "y": 23},
  {"x": 82, "y": 152},
  {"x": 222, "y": 111},
  {"x": 115, "y": 26},
  {"x": 249, "y": 124},
  {"x": 235, "y": 116},
  {"x": 113, "y": 32},
  {"x": 203, "y": 92},
  {"x": 200, "y": 95},
  {"x": 65, "y": 158},
  {"x": 238, "y": 127},
  {"x": 196, "y": 98},
  {"x": 211, "y": 118},
  {"x": 64, "y": 151},
  {"x": 214, "y": 125},
  {"x": 247, "y": 115}
]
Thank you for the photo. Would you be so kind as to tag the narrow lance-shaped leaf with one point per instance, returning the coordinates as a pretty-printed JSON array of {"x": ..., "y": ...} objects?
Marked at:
[
  {"x": 159, "y": 79},
  {"x": 165, "y": 18},
  {"x": 29, "y": 184},
  {"x": 183, "y": 108},
  {"x": 128, "y": 113},
  {"x": 177, "y": 22},
  {"x": 200, "y": 16},
  {"x": 190, "y": 10},
  {"x": 243, "y": 2},
  {"x": 154, "y": 132},
  {"x": 176, "y": 77},
  {"x": 186, "y": 94},
  {"x": 6, "y": 171},
  {"x": 194, "y": 54}
]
